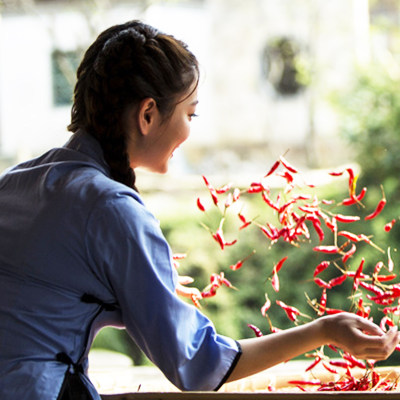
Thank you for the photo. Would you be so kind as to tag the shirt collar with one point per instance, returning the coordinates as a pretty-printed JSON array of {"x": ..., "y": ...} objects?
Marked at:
[{"x": 86, "y": 144}]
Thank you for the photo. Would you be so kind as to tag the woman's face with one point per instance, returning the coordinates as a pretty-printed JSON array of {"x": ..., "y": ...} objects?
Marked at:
[{"x": 168, "y": 135}]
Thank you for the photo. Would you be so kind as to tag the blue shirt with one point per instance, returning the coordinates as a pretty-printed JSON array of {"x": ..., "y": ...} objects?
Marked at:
[{"x": 80, "y": 251}]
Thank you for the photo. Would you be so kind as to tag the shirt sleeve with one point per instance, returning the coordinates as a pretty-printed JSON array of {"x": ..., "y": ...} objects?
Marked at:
[{"x": 127, "y": 250}]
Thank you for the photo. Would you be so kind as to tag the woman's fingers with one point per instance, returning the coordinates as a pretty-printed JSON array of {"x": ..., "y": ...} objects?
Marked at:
[{"x": 377, "y": 347}]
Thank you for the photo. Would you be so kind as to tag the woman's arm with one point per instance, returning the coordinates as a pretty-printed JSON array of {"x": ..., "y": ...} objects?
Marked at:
[{"x": 347, "y": 331}]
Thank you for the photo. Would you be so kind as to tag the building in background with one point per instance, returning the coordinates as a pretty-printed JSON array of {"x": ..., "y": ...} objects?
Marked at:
[{"x": 268, "y": 68}]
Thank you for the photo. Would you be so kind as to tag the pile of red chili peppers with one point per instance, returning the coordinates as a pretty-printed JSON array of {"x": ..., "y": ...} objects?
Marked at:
[{"x": 297, "y": 215}]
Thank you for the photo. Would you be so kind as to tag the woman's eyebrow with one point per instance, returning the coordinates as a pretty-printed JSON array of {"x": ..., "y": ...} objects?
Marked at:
[{"x": 194, "y": 102}]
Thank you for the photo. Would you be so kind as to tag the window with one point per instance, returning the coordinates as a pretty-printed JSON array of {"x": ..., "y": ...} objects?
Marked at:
[{"x": 64, "y": 65}]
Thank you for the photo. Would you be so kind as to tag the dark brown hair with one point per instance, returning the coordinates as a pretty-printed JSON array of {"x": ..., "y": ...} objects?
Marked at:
[{"x": 126, "y": 64}]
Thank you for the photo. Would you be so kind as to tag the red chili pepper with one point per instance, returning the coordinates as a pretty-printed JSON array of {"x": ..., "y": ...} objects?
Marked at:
[
  {"x": 346, "y": 218},
  {"x": 392, "y": 310},
  {"x": 256, "y": 187},
  {"x": 378, "y": 209},
  {"x": 317, "y": 226},
  {"x": 327, "y": 249},
  {"x": 331, "y": 311},
  {"x": 200, "y": 205},
  {"x": 337, "y": 281},
  {"x": 349, "y": 253},
  {"x": 385, "y": 278},
  {"x": 355, "y": 199},
  {"x": 340, "y": 363},
  {"x": 322, "y": 283},
  {"x": 388, "y": 227},
  {"x": 286, "y": 175},
  {"x": 229, "y": 200},
  {"x": 349, "y": 235},
  {"x": 291, "y": 312},
  {"x": 273, "y": 168},
  {"x": 256, "y": 330},
  {"x": 278, "y": 266},
  {"x": 195, "y": 300},
  {"x": 390, "y": 262},
  {"x": 352, "y": 181},
  {"x": 267, "y": 233},
  {"x": 288, "y": 166},
  {"x": 219, "y": 238},
  {"x": 236, "y": 194},
  {"x": 286, "y": 205},
  {"x": 208, "y": 293},
  {"x": 378, "y": 267},
  {"x": 211, "y": 190},
  {"x": 322, "y": 302},
  {"x": 223, "y": 189},
  {"x": 239, "y": 264},
  {"x": 305, "y": 382},
  {"x": 372, "y": 288},
  {"x": 313, "y": 364},
  {"x": 358, "y": 274},
  {"x": 353, "y": 361},
  {"x": 269, "y": 201},
  {"x": 386, "y": 321},
  {"x": 328, "y": 368},
  {"x": 266, "y": 306},
  {"x": 321, "y": 267},
  {"x": 245, "y": 225},
  {"x": 275, "y": 281}
]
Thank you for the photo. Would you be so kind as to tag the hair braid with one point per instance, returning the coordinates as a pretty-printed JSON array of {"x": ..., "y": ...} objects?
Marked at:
[{"x": 126, "y": 64}]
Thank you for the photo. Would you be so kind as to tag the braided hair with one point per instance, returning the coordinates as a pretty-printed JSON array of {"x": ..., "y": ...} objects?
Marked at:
[{"x": 126, "y": 64}]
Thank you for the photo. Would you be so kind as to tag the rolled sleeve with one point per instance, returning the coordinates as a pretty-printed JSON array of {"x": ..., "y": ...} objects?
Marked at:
[{"x": 128, "y": 251}]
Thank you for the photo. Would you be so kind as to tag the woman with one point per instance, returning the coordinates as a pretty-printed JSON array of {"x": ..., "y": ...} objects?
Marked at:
[{"x": 80, "y": 251}]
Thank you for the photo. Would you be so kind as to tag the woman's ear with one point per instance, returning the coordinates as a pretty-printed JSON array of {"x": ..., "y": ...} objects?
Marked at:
[{"x": 147, "y": 115}]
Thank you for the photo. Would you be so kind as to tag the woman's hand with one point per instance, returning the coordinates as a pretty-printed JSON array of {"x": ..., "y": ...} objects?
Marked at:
[{"x": 358, "y": 336}]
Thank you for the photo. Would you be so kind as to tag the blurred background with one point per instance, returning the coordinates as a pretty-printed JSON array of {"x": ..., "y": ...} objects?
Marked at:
[{"x": 316, "y": 80}]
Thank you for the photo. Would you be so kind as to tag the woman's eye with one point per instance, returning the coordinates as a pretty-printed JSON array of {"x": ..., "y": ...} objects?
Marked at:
[{"x": 194, "y": 115}]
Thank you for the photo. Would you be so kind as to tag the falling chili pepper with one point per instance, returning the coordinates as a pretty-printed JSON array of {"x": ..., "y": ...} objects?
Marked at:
[
  {"x": 327, "y": 249},
  {"x": 357, "y": 275},
  {"x": 322, "y": 302},
  {"x": 269, "y": 201},
  {"x": 346, "y": 218},
  {"x": 314, "y": 363},
  {"x": 278, "y": 266},
  {"x": 212, "y": 190},
  {"x": 349, "y": 253},
  {"x": 236, "y": 194},
  {"x": 256, "y": 330},
  {"x": 239, "y": 264},
  {"x": 380, "y": 206},
  {"x": 321, "y": 267},
  {"x": 273, "y": 168},
  {"x": 291, "y": 312},
  {"x": 337, "y": 281},
  {"x": 350, "y": 235},
  {"x": 355, "y": 199},
  {"x": 321, "y": 283},
  {"x": 288, "y": 166},
  {"x": 388, "y": 227},
  {"x": 352, "y": 181},
  {"x": 385, "y": 278},
  {"x": 390, "y": 261},
  {"x": 266, "y": 305},
  {"x": 200, "y": 205},
  {"x": 275, "y": 281},
  {"x": 223, "y": 189},
  {"x": 371, "y": 287}
]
